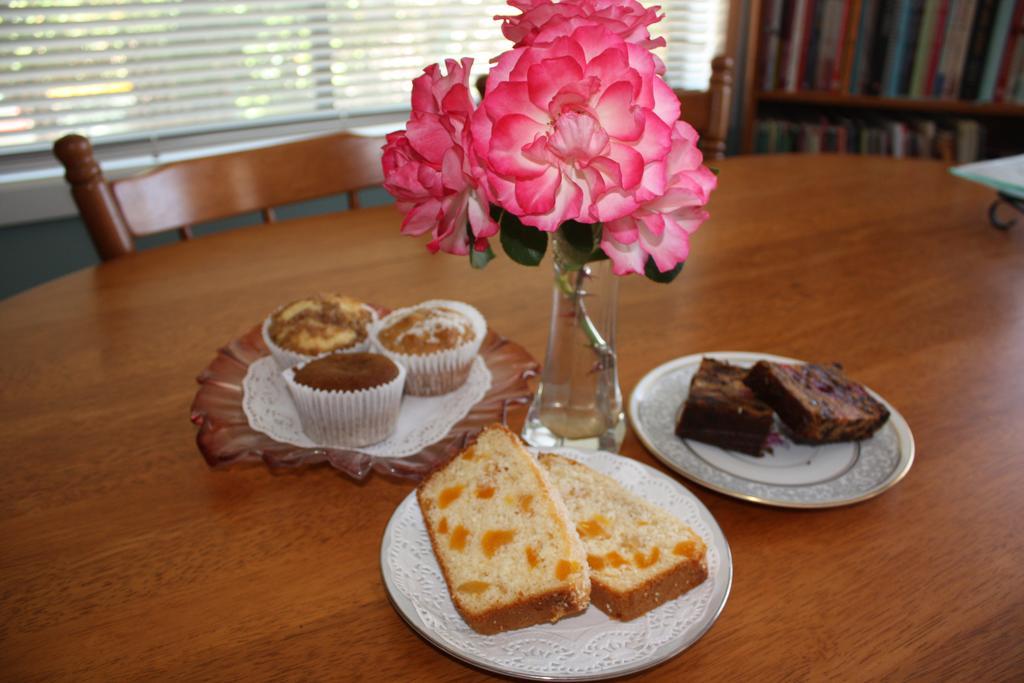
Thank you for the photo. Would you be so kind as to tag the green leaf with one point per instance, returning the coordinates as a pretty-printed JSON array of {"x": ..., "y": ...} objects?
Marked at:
[
  {"x": 523, "y": 244},
  {"x": 598, "y": 253},
  {"x": 580, "y": 236},
  {"x": 714, "y": 170},
  {"x": 580, "y": 244},
  {"x": 652, "y": 272},
  {"x": 478, "y": 259}
]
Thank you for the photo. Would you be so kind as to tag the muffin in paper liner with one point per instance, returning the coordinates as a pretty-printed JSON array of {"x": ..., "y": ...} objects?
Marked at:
[
  {"x": 347, "y": 418},
  {"x": 287, "y": 358},
  {"x": 439, "y": 372}
]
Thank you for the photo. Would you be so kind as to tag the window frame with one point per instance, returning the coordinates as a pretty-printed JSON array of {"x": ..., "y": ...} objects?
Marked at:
[{"x": 33, "y": 189}]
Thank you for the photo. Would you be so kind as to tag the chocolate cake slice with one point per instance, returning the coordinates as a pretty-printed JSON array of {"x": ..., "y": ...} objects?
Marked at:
[
  {"x": 818, "y": 403},
  {"x": 722, "y": 411}
]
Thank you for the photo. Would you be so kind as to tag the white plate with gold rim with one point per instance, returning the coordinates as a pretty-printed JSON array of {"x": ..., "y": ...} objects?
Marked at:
[
  {"x": 792, "y": 475},
  {"x": 588, "y": 646}
]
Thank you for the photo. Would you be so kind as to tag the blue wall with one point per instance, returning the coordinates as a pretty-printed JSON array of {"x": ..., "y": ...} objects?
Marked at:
[{"x": 34, "y": 253}]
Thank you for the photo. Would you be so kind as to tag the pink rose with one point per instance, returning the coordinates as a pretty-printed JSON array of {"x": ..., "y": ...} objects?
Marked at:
[
  {"x": 429, "y": 168},
  {"x": 575, "y": 130},
  {"x": 661, "y": 227},
  {"x": 542, "y": 21}
]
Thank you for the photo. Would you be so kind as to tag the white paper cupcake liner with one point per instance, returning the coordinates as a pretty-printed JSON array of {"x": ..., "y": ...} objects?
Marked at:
[
  {"x": 286, "y": 358},
  {"x": 442, "y": 371},
  {"x": 347, "y": 418}
]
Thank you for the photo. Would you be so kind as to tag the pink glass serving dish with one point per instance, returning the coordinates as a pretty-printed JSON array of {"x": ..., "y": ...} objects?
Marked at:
[{"x": 226, "y": 438}]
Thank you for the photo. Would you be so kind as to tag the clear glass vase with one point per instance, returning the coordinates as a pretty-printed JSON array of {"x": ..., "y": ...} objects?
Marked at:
[{"x": 578, "y": 402}]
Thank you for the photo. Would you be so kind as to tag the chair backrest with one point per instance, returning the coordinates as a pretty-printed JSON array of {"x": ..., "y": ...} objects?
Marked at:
[
  {"x": 182, "y": 194},
  {"x": 708, "y": 111}
]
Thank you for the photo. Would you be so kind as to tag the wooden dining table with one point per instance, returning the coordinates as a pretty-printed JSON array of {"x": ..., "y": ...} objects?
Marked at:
[{"x": 123, "y": 555}]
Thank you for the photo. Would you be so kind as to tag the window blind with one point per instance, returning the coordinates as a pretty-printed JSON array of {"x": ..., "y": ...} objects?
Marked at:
[{"x": 121, "y": 71}]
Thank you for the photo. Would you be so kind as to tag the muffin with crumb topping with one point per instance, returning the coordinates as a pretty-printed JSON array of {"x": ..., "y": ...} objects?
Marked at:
[
  {"x": 436, "y": 341},
  {"x": 316, "y": 325}
]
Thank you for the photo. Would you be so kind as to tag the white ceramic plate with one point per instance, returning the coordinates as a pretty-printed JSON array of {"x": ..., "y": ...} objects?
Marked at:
[
  {"x": 793, "y": 475},
  {"x": 588, "y": 646}
]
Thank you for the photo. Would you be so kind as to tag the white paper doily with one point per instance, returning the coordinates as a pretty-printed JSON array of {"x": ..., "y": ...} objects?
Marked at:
[
  {"x": 588, "y": 646},
  {"x": 424, "y": 420}
]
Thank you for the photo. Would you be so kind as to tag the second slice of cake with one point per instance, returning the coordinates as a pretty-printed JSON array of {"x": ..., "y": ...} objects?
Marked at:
[
  {"x": 818, "y": 403},
  {"x": 640, "y": 556},
  {"x": 503, "y": 537}
]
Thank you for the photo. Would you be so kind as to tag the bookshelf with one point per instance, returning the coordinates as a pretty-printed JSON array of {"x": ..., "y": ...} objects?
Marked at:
[
  {"x": 828, "y": 99},
  {"x": 890, "y": 59}
]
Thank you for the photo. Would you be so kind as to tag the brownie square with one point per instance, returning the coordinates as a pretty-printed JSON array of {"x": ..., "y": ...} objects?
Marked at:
[
  {"x": 818, "y": 403},
  {"x": 722, "y": 411}
]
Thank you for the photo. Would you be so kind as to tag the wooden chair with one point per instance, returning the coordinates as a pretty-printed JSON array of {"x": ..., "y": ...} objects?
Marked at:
[
  {"x": 182, "y": 194},
  {"x": 708, "y": 110}
]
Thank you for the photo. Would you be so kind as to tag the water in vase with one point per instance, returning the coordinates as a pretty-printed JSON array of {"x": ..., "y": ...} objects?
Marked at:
[{"x": 578, "y": 402}]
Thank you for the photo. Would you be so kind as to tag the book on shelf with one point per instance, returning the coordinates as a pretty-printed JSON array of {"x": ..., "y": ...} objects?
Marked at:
[
  {"x": 998, "y": 48},
  {"x": 934, "y": 14},
  {"x": 771, "y": 32},
  {"x": 881, "y": 48},
  {"x": 805, "y": 76},
  {"x": 894, "y": 56},
  {"x": 1011, "y": 78},
  {"x": 956, "y": 141},
  {"x": 793, "y": 43},
  {"x": 951, "y": 61},
  {"x": 863, "y": 41},
  {"x": 983, "y": 18},
  {"x": 970, "y": 50},
  {"x": 900, "y": 85},
  {"x": 844, "y": 72},
  {"x": 940, "y": 29}
]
